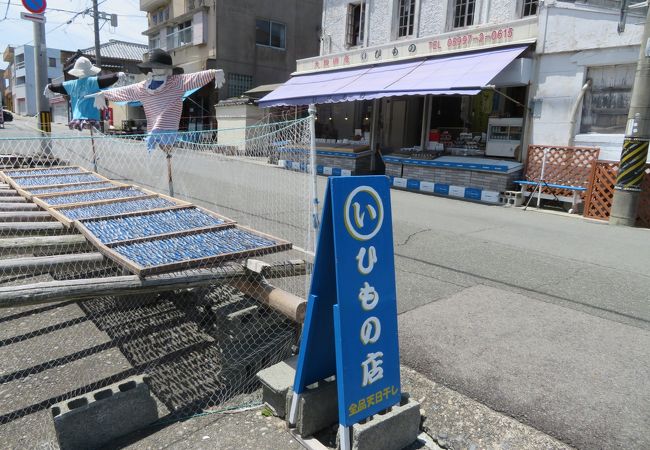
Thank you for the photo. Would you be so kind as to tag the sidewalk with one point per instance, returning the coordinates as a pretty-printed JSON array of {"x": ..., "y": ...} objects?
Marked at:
[{"x": 452, "y": 420}]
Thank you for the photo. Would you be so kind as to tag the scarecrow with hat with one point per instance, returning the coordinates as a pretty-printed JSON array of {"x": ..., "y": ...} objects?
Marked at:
[
  {"x": 84, "y": 113},
  {"x": 161, "y": 95}
]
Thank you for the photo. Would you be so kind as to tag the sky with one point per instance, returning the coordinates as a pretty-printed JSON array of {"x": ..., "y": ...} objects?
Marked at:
[{"x": 78, "y": 34}]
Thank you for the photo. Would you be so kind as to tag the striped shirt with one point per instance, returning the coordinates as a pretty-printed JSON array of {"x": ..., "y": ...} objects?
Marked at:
[{"x": 162, "y": 106}]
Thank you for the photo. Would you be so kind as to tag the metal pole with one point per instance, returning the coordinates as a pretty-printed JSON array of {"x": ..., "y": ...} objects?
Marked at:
[
  {"x": 40, "y": 81},
  {"x": 374, "y": 129},
  {"x": 541, "y": 179},
  {"x": 98, "y": 58},
  {"x": 635, "y": 147},
  {"x": 312, "y": 172}
]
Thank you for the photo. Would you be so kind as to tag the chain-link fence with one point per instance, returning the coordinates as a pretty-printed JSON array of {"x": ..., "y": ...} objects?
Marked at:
[{"x": 119, "y": 260}]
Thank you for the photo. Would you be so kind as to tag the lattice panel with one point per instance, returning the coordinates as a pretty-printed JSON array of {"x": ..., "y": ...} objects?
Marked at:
[
  {"x": 570, "y": 166},
  {"x": 598, "y": 203}
]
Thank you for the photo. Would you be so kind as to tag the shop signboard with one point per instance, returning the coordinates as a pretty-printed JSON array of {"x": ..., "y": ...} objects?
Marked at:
[
  {"x": 350, "y": 327},
  {"x": 522, "y": 31}
]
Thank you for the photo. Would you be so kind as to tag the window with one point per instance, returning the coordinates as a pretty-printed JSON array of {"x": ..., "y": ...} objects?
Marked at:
[
  {"x": 355, "y": 25},
  {"x": 160, "y": 16},
  {"x": 606, "y": 104},
  {"x": 529, "y": 8},
  {"x": 238, "y": 84},
  {"x": 179, "y": 35},
  {"x": 20, "y": 80},
  {"x": 51, "y": 62},
  {"x": 271, "y": 34},
  {"x": 463, "y": 13},
  {"x": 154, "y": 42},
  {"x": 20, "y": 61},
  {"x": 406, "y": 18}
]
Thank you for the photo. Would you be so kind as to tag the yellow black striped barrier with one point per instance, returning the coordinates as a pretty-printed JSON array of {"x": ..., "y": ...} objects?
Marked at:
[
  {"x": 632, "y": 167},
  {"x": 45, "y": 121}
]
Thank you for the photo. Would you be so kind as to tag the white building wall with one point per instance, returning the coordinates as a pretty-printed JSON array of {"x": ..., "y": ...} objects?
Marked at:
[
  {"x": 431, "y": 19},
  {"x": 572, "y": 39}
]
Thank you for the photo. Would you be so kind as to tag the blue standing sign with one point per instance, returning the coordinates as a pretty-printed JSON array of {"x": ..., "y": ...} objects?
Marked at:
[{"x": 350, "y": 327}]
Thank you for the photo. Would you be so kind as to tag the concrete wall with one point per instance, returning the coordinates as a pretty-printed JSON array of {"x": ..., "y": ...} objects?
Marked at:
[
  {"x": 236, "y": 48},
  {"x": 572, "y": 39}
]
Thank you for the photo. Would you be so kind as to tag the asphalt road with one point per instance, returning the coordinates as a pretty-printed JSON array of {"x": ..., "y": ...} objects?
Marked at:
[{"x": 543, "y": 317}]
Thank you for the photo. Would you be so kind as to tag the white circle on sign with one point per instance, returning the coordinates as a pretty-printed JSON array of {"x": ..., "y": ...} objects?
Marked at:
[{"x": 379, "y": 211}]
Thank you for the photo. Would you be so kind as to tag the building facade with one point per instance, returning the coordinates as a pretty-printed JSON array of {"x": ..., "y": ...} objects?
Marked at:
[
  {"x": 23, "y": 76},
  {"x": 569, "y": 43},
  {"x": 254, "y": 42}
]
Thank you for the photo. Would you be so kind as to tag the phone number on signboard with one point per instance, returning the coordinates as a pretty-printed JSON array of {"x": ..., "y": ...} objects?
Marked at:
[{"x": 469, "y": 39}]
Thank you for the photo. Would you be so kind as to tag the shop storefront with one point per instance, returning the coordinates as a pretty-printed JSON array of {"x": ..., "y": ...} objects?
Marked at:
[{"x": 446, "y": 114}]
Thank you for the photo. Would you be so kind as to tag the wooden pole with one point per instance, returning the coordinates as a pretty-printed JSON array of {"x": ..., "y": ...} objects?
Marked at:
[
  {"x": 33, "y": 227},
  {"x": 42, "y": 264},
  {"x": 282, "y": 301},
  {"x": 25, "y": 216},
  {"x": 40, "y": 243},
  {"x": 18, "y": 207},
  {"x": 57, "y": 291}
]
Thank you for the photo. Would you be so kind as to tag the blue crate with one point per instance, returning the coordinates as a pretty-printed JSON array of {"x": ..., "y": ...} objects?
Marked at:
[
  {"x": 124, "y": 228},
  {"x": 55, "y": 189},
  {"x": 50, "y": 180},
  {"x": 95, "y": 196},
  {"x": 183, "y": 248},
  {"x": 111, "y": 209},
  {"x": 43, "y": 172}
]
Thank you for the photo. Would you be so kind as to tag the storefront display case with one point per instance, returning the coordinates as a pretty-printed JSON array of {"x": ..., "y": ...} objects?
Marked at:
[{"x": 504, "y": 137}]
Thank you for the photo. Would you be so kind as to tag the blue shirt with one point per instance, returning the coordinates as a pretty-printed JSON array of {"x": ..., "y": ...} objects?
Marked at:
[{"x": 83, "y": 108}]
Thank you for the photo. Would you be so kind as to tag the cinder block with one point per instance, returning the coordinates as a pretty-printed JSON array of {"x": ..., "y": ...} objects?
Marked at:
[
  {"x": 277, "y": 381},
  {"x": 94, "y": 419},
  {"x": 396, "y": 429},
  {"x": 317, "y": 408}
]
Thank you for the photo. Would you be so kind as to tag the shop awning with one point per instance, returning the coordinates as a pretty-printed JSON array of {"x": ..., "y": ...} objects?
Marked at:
[
  {"x": 185, "y": 95},
  {"x": 465, "y": 73}
]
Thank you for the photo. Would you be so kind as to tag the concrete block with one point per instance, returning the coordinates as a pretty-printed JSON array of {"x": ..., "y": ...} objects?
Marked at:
[
  {"x": 317, "y": 408},
  {"x": 94, "y": 419},
  {"x": 277, "y": 382},
  {"x": 394, "y": 430}
]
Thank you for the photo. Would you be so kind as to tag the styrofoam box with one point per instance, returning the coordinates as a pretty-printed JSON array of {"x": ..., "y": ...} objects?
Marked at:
[
  {"x": 346, "y": 172},
  {"x": 490, "y": 196},
  {"x": 282, "y": 163},
  {"x": 399, "y": 182},
  {"x": 295, "y": 165},
  {"x": 457, "y": 191},
  {"x": 327, "y": 170},
  {"x": 427, "y": 186}
]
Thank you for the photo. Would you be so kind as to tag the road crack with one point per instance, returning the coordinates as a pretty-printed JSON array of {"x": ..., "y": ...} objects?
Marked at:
[{"x": 408, "y": 238}]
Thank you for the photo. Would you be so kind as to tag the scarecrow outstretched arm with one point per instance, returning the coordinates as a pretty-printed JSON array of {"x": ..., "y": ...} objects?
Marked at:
[
  {"x": 105, "y": 81},
  {"x": 198, "y": 79},
  {"x": 126, "y": 93},
  {"x": 57, "y": 88}
]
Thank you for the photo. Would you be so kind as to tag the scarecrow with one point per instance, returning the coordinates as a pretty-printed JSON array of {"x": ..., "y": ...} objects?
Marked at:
[
  {"x": 161, "y": 95},
  {"x": 84, "y": 113}
]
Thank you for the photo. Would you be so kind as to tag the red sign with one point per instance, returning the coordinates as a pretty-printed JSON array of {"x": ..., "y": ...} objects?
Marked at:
[{"x": 35, "y": 6}]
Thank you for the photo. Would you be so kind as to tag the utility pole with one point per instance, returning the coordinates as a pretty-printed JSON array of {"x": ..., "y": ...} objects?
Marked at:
[
  {"x": 98, "y": 58},
  {"x": 635, "y": 147},
  {"x": 42, "y": 104}
]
